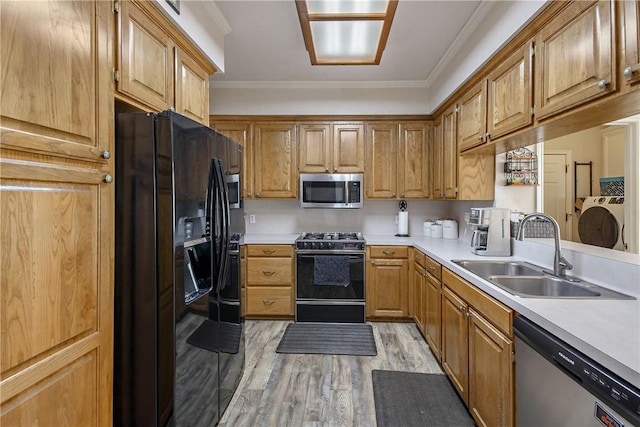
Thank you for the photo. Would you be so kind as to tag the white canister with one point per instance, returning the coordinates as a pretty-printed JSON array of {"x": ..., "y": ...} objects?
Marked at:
[
  {"x": 426, "y": 228},
  {"x": 450, "y": 229},
  {"x": 436, "y": 231}
]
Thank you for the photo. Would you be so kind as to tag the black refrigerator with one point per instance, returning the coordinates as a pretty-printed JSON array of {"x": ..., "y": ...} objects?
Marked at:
[{"x": 177, "y": 359}]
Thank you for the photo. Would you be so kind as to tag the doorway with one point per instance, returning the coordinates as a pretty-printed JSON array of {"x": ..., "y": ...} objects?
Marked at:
[{"x": 557, "y": 184}]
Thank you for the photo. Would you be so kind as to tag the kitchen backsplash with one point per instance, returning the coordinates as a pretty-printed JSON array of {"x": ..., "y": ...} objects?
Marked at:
[{"x": 376, "y": 217}]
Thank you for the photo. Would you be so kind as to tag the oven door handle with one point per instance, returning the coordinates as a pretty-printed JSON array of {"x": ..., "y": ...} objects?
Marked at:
[{"x": 312, "y": 254}]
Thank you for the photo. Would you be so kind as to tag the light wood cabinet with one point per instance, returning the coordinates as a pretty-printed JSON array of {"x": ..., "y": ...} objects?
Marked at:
[
  {"x": 153, "y": 69},
  {"x": 56, "y": 213},
  {"x": 398, "y": 160},
  {"x": 477, "y": 350},
  {"x": 382, "y": 167},
  {"x": 269, "y": 280},
  {"x": 387, "y": 281},
  {"x": 331, "y": 147},
  {"x": 192, "y": 88},
  {"x": 630, "y": 42},
  {"x": 472, "y": 120},
  {"x": 418, "y": 297},
  {"x": 242, "y": 133},
  {"x": 510, "y": 94},
  {"x": 445, "y": 155},
  {"x": 575, "y": 59},
  {"x": 414, "y": 160},
  {"x": 273, "y": 155},
  {"x": 433, "y": 309},
  {"x": 145, "y": 58}
]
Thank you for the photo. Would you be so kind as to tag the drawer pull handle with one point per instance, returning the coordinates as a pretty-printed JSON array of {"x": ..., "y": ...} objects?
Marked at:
[
  {"x": 268, "y": 251},
  {"x": 432, "y": 268},
  {"x": 388, "y": 253},
  {"x": 461, "y": 308},
  {"x": 268, "y": 272},
  {"x": 268, "y": 301}
]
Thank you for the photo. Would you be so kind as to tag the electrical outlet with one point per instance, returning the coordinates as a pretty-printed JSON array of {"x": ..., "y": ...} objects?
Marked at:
[
  {"x": 396, "y": 219},
  {"x": 252, "y": 219}
]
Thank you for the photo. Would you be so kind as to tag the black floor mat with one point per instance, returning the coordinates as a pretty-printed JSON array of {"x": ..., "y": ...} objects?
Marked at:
[
  {"x": 328, "y": 338},
  {"x": 417, "y": 399},
  {"x": 206, "y": 336}
]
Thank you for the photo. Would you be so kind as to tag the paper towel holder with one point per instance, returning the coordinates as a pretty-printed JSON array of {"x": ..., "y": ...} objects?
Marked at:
[{"x": 403, "y": 207}]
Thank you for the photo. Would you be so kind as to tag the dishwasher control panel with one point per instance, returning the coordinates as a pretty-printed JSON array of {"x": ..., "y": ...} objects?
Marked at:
[{"x": 602, "y": 383}]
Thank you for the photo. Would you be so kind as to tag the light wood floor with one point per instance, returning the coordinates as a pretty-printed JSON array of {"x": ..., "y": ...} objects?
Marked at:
[{"x": 318, "y": 390}]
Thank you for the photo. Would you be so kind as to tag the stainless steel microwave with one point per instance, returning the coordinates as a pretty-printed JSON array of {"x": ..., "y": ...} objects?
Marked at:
[
  {"x": 331, "y": 190},
  {"x": 234, "y": 190}
]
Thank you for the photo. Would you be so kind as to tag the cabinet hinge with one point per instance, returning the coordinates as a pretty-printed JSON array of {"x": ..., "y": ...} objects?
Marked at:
[
  {"x": 533, "y": 110},
  {"x": 513, "y": 357},
  {"x": 456, "y": 109},
  {"x": 115, "y": 6},
  {"x": 533, "y": 51},
  {"x": 116, "y": 75}
]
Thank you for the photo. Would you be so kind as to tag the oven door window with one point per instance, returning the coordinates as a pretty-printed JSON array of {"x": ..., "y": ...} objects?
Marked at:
[
  {"x": 323, "y": 192},
  {"x": 330, "y": 276}
]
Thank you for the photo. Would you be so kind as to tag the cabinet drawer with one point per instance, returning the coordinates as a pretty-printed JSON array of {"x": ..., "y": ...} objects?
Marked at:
[
  {"x": 419, "y": 258},
  {"x": 269, "y": 300},
  {"x": 496, "y": 312},
  {"x": 269, "y": 250},
  {"x": 388, "y": 251},
  {"x": 269, "y": 271},
  {"x": 433, "y": 268}
]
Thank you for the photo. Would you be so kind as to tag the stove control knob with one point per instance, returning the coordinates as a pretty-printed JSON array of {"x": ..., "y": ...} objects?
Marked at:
[{"x": 330, "y": 245}]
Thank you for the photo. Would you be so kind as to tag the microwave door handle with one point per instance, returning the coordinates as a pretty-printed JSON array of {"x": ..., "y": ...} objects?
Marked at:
[{"x": 346, "y": 192}]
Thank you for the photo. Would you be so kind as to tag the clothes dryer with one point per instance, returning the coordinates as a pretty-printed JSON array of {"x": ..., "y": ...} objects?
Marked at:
[{"x": 602, "y": 222}]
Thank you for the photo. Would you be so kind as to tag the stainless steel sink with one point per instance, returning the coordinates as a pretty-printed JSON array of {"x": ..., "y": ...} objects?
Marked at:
[
  {"x": 531, "y": 281},
  {"x": 486, "y": 269}
]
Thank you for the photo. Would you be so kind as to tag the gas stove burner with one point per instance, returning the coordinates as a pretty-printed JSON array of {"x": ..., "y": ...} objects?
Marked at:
[{"x": 332, "y": 241}]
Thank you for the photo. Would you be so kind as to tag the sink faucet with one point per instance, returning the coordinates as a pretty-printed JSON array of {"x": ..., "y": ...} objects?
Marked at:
[{"x": 560, "y": 264}]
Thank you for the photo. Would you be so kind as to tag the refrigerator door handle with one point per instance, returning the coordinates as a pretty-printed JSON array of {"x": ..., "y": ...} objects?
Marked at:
[{"x": 224, "y": 199}]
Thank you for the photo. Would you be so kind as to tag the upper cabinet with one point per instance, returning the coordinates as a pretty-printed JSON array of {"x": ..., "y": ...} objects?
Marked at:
[
  {"x": 273, "y": 160},
  {"x": 414, "y": 160},
  {"x": 145, "y": 58},
  {"x": 242, "y": 133},
  {"x": 630, "y": 42},
  {"x": 331, "y": 147},
  {"x": 382, "y": 168},
  {"x": 449, "y": 154},
  {"x": 157, "y": 68},
  {"x": 575, "y": 58},
  {"x": 510, "y": 94},
  {"x": 472, "y": 119}
]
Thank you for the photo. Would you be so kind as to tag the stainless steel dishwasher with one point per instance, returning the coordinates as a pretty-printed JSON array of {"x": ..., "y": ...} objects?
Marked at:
[{"x": 556, "y": 385}]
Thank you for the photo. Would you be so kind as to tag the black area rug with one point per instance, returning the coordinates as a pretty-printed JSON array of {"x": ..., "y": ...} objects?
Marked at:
[
  {"x": 206, "y": 336},
  {"x": 328, "y": 338},
  {"x": 417, "y": 399}
]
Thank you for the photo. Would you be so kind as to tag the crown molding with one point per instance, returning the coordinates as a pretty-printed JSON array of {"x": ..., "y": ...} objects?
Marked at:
[
  {"x": 388, "y": 84},
  {"x": 218, "y": 19},
  {"x": 463, "y": 37}
]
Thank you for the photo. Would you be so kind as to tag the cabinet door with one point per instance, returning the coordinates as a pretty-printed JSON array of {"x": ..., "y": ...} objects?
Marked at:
[
  {"x": 414, "y": 160},
  {"x": 433, "y": 317},
  {"x": 56, "y": 214},
  {"x": 476, "y": 175},
  {"x": 575, "y": 58},
  {"x": 387, "y": 288},
  {"x": 240, "y": 132},
  {"x": 274, "y": 170},
  {"x": 509, "y": 94},
  {"x": 455, "y": 341},
  {"x": 145, "y": 59},
  {"x": 449, "y": 154},
  {"x": 382, "y": 149},
  {"x": 438, "y": 159},
  {"x": 192, "y": 88},
  {"x": 631, "y": 41},
  {"x": 314, "y": 148},
  {"x": 491, "y": 374},
  {"x": 418, "y": 297},
  {"x": 348, "y": 147},
  {"x": 472, "y": 120}
]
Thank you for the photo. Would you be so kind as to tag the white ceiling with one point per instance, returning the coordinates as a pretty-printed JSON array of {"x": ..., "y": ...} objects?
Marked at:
[{"x": 265, "y": 43}]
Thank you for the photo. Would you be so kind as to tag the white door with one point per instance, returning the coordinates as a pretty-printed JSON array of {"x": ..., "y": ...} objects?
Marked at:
[{"x": 556, "y": 167}]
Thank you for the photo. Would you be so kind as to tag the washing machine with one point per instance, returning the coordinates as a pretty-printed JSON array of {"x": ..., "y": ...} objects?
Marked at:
[{"x": 602, "y": 222}]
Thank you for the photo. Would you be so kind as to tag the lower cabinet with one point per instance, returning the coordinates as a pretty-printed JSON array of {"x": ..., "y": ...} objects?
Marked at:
[
  {"x": 433, "y": 307},
  {"x": 418, "y": 284},
  {"x": 478, "y": 350},
  {"x": 269, "y": 281},
  {"x": 387, "y": 279}
]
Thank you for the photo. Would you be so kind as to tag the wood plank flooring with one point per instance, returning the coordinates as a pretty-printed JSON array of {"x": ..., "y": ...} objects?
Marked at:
[{"x": 318, "y": 390}]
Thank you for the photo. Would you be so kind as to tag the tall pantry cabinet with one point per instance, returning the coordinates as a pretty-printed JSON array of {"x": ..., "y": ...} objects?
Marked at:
[{"x": 56, "y": 213}]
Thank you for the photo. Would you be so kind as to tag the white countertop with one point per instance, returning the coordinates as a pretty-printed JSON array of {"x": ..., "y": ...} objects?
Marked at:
[{"x": 608, "y": 331}]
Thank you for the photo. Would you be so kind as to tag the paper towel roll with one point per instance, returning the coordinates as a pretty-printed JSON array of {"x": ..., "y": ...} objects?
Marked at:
[{"x": 403, "y": 223}]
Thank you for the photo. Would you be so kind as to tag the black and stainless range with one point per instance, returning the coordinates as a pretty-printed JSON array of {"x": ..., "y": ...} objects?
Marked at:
[{"x": 330, "y": 277}]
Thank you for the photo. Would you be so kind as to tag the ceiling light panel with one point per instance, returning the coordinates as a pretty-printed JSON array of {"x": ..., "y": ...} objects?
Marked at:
[
  {"x": 348, "y": 40},
  {"x": 337, "y": 7}
]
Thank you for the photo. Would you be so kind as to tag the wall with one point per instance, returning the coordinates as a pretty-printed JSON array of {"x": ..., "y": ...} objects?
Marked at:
[
  {"x": 516, "y": 198},
  {"x": 376, "y": 217}
]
